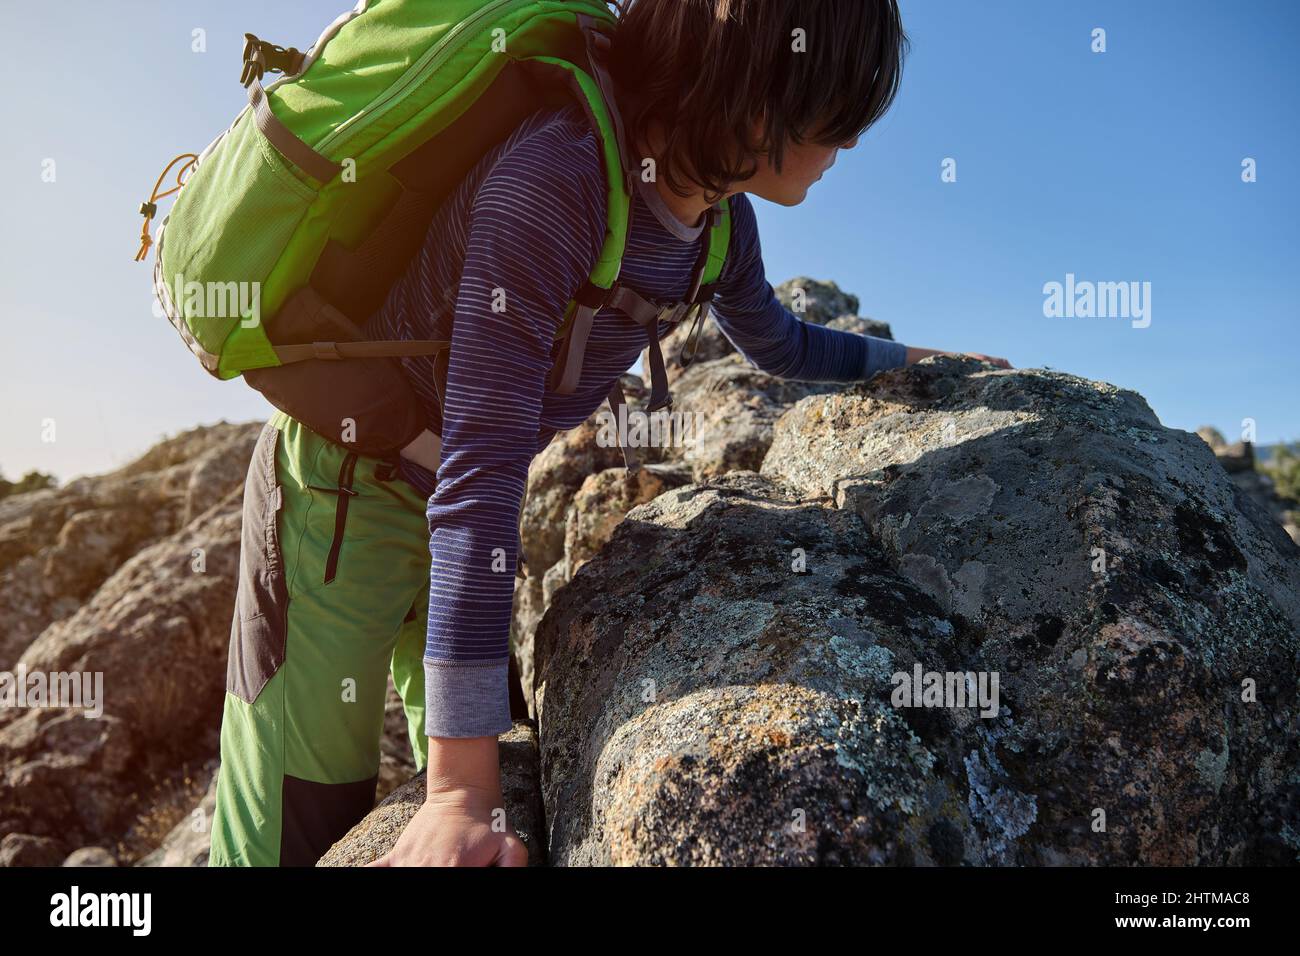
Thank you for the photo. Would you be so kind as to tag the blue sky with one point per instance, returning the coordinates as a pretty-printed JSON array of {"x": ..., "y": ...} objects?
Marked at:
[{"x": 1115, "y": 166}]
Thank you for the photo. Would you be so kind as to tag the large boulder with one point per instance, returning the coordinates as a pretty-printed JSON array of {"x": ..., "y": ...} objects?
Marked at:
[
  {"x": 722, "y": 420},
  {"x": 702, "y": 701},
  {"x": 723, "y": 683}
]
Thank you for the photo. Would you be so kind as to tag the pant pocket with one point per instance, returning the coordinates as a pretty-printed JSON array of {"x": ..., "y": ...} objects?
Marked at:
[{"x": 257, "y": 634}]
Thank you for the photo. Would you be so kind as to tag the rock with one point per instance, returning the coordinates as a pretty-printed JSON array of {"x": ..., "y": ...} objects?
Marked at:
[
  {"x": 217, "y": 472},
  {"x": 732, "y": 408},
  {"x": 1135, "y": 588},
  {"x": 1239, "y": 461},
  {"x": 555, "y": 477},
  {"x": 861, "y": 325},
  {"x": 696, "y": 698},
  {"x": 188, "y": 843},
  {"x": 819, "y": 302},
  {"x": 1237, "y": 457},
  {"x": 1212, "y": 437},
  {"x": 24, "y": 849},
  {"x": 718, "y": 684},
  {"x": 157, "y": 631},
  {"x": 555, "y": 578},
  {"x": 593, "y": 514},
  {"x": 603, "y": 500},
  {"x": 529, "y": 606},
  {"x": 91, "y": 856},
  {"x": 727, "y": 412},
  {"x": 378, "y": 832},
  {"x": 58, "y": 545},
  {"x": 90, "y": 545}
]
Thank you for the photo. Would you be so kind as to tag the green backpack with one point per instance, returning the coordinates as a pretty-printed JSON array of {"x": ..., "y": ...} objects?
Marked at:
[{"x": 295, "y": 222}]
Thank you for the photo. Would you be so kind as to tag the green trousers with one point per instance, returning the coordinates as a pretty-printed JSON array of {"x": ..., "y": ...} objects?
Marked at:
[{"x": 333, "y": 594}]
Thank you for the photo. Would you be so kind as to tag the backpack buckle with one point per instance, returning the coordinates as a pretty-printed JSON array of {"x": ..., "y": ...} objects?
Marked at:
[
  {"x": 673, "y": 314},
  {"x": 261, "y": 57},
  {"x": 692, "y": 341}
]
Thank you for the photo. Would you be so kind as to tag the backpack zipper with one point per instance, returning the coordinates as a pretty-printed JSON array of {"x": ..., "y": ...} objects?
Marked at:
[{"x": 427, "y": 63}]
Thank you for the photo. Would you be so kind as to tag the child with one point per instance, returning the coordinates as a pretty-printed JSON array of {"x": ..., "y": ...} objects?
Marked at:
[{"x": 727, "y": 97}]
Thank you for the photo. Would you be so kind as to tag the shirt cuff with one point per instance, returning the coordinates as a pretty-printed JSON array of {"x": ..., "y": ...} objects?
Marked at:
[
  {"x": 883, "y": 354},
  {"x": 466, "y": 700}
]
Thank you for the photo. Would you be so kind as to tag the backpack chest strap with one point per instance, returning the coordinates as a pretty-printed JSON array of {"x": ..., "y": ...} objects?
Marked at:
[
  {"x": 643, "y": 312},
  {"x": 646, "y": 313}
]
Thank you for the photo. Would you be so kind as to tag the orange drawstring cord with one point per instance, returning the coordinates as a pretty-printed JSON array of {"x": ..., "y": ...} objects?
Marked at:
[{"x": 150, "y": 209}]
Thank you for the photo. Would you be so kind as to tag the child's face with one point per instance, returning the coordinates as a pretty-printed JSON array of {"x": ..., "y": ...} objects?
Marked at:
[{"x": 801, "y": 166}]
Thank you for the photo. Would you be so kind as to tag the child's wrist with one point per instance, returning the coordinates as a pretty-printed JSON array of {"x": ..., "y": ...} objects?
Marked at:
[{"x": 462, "y": 764}]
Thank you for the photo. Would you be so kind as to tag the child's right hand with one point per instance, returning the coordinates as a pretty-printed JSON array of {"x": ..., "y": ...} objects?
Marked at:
[
  {"x": 463, "y": 819},
  {"x": 456, "y": 828}
]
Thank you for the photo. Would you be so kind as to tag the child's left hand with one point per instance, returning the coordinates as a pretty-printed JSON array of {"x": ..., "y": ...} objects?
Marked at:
[
  {"x": 915, "y": 354},
  {"x": 991, "y": 359}
]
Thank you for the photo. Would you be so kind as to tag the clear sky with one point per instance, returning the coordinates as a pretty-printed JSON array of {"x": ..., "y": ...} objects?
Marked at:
[{"x": 1115, "y": 166}]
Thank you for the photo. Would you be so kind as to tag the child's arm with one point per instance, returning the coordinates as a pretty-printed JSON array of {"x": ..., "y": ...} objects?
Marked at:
[
  {"x": 536, "y": 226},
  {"x": 774, "y": 340}
]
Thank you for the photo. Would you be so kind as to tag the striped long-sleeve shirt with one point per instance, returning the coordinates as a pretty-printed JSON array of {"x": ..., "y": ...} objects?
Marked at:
[{"x": 502, "y": 258}]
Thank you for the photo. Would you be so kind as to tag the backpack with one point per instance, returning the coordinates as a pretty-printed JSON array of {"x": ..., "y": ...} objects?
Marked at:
[{"x": 290, "y": 227}]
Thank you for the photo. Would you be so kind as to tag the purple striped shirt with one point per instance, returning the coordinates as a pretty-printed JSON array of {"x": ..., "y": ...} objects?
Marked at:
[{"x": 503, "y": 256}]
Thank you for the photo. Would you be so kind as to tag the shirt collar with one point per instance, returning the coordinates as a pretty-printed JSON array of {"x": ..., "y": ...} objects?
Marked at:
[{"x": 665, "y": 216}]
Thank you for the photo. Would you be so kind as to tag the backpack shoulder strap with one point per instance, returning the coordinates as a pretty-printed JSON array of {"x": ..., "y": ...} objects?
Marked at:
[
  {"x": 719, "y": 243},
  {"x": 592, "y": 87}
]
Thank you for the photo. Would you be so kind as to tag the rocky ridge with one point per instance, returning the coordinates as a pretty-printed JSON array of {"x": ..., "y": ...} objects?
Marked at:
[{"x": 711, "y": 650}]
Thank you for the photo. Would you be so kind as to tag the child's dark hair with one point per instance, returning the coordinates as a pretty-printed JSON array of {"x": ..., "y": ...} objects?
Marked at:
[{"x": 708, "y": 71}]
